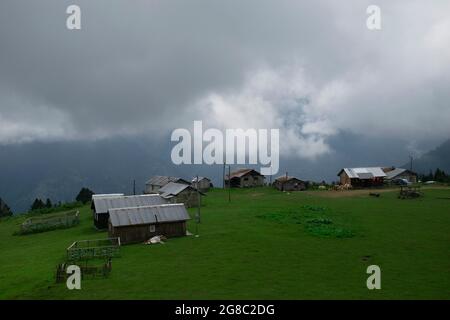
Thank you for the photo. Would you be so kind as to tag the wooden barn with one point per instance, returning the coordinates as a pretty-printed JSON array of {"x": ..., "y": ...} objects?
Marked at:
[
  {"x": 101, "y": 205},
  {"x": 204, "y": 184},
  {"x": 244, "y": 178},
  {"x": 400, "y": 173},
  {"x": 139, "y": 224},
  {"x": 362, "y": 177},
  {"x": 157, "y": 182},
  {"x": 287, "y": 183},
  {"x": 180, "y": 193}
]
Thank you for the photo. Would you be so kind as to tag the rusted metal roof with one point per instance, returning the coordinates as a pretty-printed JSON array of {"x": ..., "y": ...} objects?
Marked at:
[
  {"x": 148, "y": 215},
  {"x": 103, "y": 204}
]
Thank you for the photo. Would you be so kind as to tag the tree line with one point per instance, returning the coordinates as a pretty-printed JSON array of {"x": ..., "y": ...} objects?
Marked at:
[
  {"x": 438, "y": 175},
  {"x": 5, "y": 211},
  {"x": 40, "y": 206}
]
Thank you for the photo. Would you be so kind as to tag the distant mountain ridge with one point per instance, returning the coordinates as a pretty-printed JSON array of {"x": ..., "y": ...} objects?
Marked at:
[
  {"x": 58, "y": 170},
  {"x": 437, "y": 158}
]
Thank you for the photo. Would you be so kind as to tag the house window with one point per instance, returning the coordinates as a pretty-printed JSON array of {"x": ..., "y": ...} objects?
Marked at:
[{"x": 152, "y": 228}]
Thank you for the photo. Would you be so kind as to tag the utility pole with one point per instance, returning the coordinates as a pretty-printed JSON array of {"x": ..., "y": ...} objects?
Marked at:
[
  {"x": 223, "y": 175},
  {"x": 197, "y": 215},
  {"x": 229, "y": 183},
  {"x": 410, "y": 163},
  {"x": 198, "y": 201},
  {"x": 134, "y": 187}
]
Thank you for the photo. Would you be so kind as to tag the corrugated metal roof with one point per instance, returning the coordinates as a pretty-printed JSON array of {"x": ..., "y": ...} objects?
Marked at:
[
  {"x": 172, "y": 188},
  {"x": 148, "y": 215},
  {"x": 107, "y": 195},
  {"x": 393, "y": 173},
  {"x": 364, "y": 173},
  {"x": 199, "y": 179},
  {"x": 284, "y": 179},
  {"x": 242, "y": 172},
  {"x": 102, "y": 205},
  {"x": 163, "y": 180}
]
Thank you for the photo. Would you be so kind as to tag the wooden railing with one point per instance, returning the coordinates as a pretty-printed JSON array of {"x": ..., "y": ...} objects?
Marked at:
[{"x": 92, "y": 249}]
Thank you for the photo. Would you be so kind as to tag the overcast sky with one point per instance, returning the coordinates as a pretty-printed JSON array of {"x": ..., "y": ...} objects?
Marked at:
[{"x": 310, "y": 68}]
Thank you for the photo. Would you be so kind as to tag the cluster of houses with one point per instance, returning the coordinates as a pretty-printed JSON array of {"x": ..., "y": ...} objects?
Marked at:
[
  {"x": 178, "y": 190},
  {"x": 247, "y": 178},
  {"x": 162, "y": 208},
  {"x": 354, "y": 177},
  {"x": 160, "y": 211},
  {"x": 137, "y": 218},
  {"x": 374, "y": 176}
]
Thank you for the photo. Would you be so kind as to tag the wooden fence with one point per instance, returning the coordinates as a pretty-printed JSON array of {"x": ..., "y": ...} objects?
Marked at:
[
  {"x": 408, "y": 192},
  {"x": 52, "y": 222},
  {"x": 92, "y": 249},
  {"x": 87, "y": 270}
]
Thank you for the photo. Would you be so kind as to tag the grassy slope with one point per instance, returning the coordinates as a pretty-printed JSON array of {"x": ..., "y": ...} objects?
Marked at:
[{"x": 241, "y": 256}]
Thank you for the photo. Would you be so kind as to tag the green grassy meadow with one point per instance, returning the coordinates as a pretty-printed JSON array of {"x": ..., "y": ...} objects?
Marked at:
[{"x": 265, "y": 244}]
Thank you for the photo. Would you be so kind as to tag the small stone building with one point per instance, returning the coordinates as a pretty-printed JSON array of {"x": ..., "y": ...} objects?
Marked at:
[
  {"x": 204, "y": 184},
  {"x": 286, "y": 183},
  {"x": 134, "y": 225},
  {"x": 157, "y": 182},
  {"x": 180, "y": 193},
  {"x": 244, "y": 178}
]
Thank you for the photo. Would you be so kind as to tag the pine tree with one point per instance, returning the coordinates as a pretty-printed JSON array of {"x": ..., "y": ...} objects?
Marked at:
[
  {"x": 85, "y": 195},
  {"x": 5, "y": 211},
  {"x": 37, "y": 204},
  {"x": 48, "y": 203}
]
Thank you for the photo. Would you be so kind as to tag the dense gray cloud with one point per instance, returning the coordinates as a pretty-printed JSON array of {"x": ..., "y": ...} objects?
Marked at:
[{"x": 310, "y": 68}]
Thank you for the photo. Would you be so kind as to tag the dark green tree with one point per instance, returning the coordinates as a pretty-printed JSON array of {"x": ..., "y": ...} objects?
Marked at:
[
  {"x": 5, "y": 211},
  {"x": 48, "y": 203},
  {"x": 441, "y": 176},
  {"x": 37, "y": 204},
  {"x": 85, "y": 195}
]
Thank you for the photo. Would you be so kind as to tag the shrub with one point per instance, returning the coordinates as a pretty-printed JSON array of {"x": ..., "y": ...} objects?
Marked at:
[{"x": 62, "y": 207}]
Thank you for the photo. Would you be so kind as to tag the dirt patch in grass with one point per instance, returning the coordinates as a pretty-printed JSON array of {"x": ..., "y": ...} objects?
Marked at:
[
  {"x": 362, "y": 192},
  {"x": 347, "y": 193},
  {"x": 257, "y": 194}
]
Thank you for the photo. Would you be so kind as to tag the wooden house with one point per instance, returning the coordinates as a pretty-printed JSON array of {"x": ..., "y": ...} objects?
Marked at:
[
  {"x": 180, "y": 193},
  {"x": 287, "y": 183},
  {"x": 362, "y": 177},
  {"x": 139, "y": 224},
  {"x": 101, "y": 205},
  {"x": 157, "y": 182},
  {"x": 400, "y": 173},
  {"x": 244, "y": 178},
  {"x": 203, "y": 184}
]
